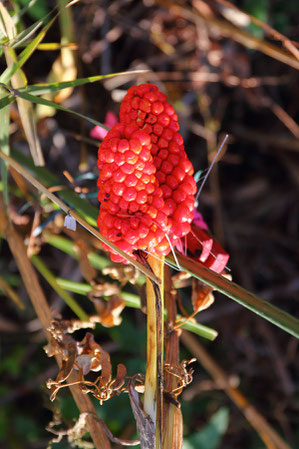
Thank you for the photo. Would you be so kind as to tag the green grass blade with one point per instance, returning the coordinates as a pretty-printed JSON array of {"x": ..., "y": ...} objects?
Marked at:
[
  {"x": 47, "y": 88},
  {"x": 26, "y": 111},
  {"x": 247, "y": 299},
  {"x": 7, "y": 27},
  {"x": 5, "y": 100},
  {"x": 4, "y": 145},
  {"x": 83, "y": 289},
  {"x": 41, "y": 89},
  {"x": 19, "y": 14},
  {"x": 51, "y": 279},
  {"x": 49, "y": 103},
  {"x": 22, "y": 37}
]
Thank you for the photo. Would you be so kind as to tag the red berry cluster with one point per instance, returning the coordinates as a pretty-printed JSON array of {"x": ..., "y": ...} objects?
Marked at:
[{"x": 146, "y": 188}]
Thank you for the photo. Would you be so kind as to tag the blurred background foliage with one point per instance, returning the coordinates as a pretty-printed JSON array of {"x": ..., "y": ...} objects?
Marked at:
[{"x": 250, "y": 203}]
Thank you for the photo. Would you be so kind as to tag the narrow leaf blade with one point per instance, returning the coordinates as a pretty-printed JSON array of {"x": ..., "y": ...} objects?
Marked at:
[
  {"x": 239, "y": 294},
  {"x": 4, "y": 145},
  {"x": 43, "y": 101}
]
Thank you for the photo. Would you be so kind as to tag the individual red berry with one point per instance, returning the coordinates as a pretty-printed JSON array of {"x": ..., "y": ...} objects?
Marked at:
[
  {"x": 129, "y": 194},
  {"x": 123, "y": 146},
  {"x": 166, "y": 167},
  {"x": 163, "y": 154},
  {"x": 157, "y": 108},
  {"x": 131, "y": 180},
  {"x": 118, "y": 188},
  {"x": 127, "y": 168},
  {"x": 181, "y": 213},
  {"x": 119, "y": 159}
]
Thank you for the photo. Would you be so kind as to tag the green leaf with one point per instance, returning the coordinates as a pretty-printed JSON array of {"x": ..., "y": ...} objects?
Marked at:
[
  {"x": 20, "y": 13},
  {"x": 6, "y": 100},
  {"x": 83, "y": 289},
  {"x": 4, "y": 145},
  {"x": 18, "y": 40},
  {"x": 43, "y": 101},
  {"x": 26, "y": 111},
  {"x": 247, "y": 299},
  {"x": 41, "y": 89},
  {"x": 85, "y": 209},
  {"x": 211, "y": 435},
  {"x": 47, "y": 88}
]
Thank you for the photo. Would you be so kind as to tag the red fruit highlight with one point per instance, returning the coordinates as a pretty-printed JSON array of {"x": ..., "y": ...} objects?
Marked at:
[{"x": 142, "y": 161}]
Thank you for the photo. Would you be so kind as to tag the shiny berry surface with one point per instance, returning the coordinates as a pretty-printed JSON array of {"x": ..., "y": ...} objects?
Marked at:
[{"x": 146, "y": 188}]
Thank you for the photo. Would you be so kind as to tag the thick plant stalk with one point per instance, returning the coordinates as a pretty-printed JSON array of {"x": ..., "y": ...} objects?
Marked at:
[
  {"x": 153, "y": 394},
  {"x": 173, "y": 420}
]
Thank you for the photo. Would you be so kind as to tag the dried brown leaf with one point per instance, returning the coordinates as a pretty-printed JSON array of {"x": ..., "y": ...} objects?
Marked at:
[
  {"x": 106, "y": 368},
  {"x": 182, "y": 374},
  {"x": 68, "y": 364},
  {"x": 120, "y": 377},
  {"x": 173, "y": 434},
  {"x": 88, "y": 348},
  {"x": 103, "y": 289},
  {"x": 202, "y": 296},
  {"x": 109, "y": 311},
  {"x": 62, "y": 345},
  {"x": 123, "y": 273}
]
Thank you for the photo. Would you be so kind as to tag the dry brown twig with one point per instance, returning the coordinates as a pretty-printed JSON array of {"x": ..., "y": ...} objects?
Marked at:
[
  {"x": 289, "y": 45},
  {"x": 11, "y": 293},
  {"x": 228, "y": 30}
]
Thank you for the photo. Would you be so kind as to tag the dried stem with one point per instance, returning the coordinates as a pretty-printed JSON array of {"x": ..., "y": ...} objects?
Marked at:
[
  {"x": 153, "y": 395},
  {"x": 173, "y": 420}
]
